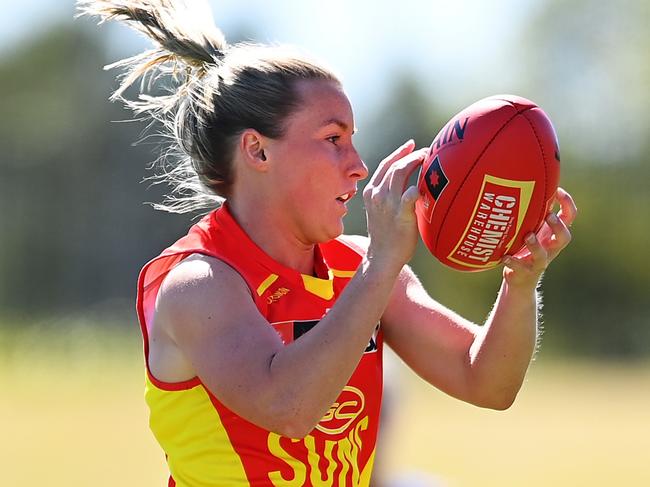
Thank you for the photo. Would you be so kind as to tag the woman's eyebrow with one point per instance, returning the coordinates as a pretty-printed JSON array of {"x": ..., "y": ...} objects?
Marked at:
[{"x": 340, "y": 123}]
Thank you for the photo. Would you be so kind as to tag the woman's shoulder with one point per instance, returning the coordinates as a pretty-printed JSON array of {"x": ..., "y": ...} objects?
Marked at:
[
  {"x": 358, "y": 243},
  {"x": 345, "y": 252},
  {"x": 199, "y": 280}
]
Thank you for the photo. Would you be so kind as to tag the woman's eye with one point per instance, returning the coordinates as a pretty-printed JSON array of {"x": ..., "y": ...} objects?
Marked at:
[{"x": 334, "y": 139}]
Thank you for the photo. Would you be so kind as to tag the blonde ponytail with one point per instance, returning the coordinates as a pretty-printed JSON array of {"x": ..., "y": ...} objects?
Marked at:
[
  {"x": 217, "y": 91},
  {"x": 185, "y": 35}
]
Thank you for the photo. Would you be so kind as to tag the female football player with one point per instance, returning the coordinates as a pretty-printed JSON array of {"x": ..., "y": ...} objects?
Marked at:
[{"x": 263, "y": 327}]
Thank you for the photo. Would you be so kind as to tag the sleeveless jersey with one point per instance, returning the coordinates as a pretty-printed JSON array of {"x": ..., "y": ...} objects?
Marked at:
[{"x": 205, "y": 443}]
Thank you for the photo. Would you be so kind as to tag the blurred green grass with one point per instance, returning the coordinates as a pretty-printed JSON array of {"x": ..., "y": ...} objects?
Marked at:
[
  {"x": 574, "y": 424},
  {"x": 73, "y": 414}
]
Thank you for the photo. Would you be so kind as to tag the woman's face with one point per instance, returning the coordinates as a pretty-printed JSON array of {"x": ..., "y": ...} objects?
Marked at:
[{"x": 314, "y": 167}]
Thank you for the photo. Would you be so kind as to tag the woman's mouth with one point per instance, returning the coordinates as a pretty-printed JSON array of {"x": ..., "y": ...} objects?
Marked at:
[{"x": 345, "y": 197}]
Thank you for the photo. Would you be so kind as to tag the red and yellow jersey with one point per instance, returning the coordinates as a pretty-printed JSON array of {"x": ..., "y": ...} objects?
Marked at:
[{"x": 207, "y": 444}]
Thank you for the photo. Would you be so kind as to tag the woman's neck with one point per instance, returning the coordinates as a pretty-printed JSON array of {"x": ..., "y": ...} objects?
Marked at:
[{"x": 273, "y": 235}]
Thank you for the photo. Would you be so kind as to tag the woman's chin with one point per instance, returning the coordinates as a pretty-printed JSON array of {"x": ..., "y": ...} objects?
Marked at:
[{"x": 331, "y": 231}]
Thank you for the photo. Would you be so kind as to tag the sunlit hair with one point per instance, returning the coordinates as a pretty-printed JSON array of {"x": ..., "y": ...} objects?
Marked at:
[{"x": 201, "y": 93}]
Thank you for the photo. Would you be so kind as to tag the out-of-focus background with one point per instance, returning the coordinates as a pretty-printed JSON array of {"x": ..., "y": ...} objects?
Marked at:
[{"x": 74, "y": 232}]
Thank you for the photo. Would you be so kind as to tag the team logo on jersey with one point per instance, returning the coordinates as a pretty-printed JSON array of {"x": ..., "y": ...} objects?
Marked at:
[
  {"x": 335, "y": 461},
  {"x": 343, "y": 412}
]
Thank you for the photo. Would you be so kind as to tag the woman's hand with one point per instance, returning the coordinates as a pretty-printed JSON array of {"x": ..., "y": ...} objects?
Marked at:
[
  {"x": 390, "y": 207},
  {"x": 526, "y": 267}
]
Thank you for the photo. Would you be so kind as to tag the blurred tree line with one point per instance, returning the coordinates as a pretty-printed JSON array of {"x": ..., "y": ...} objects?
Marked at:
[{"x": 74, "y": 230}]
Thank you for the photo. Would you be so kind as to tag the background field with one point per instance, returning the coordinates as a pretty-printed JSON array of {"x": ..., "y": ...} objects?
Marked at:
[
  {"x": 73, "y": 415},
  {"x": 573, "y": 424}
]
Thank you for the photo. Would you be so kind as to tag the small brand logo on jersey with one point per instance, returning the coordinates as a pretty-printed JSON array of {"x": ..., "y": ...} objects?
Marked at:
[
  {"x": 500, "y": 209},
  {"x": 277, "y": 294},
  {"x": 343, "y": 412}
]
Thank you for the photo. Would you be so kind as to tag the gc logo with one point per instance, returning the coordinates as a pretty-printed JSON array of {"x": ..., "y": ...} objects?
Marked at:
[{"x": 343, "y": 412}]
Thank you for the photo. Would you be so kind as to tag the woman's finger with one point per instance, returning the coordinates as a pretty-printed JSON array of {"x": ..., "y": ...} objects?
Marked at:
[
  {"x": 401, "y": 171},
  {"x": 560, "y": 235},
  {"x": 384, "y": 165},
  {"x": 568, "y": 209},
  {"x": 538, "y": 254}
]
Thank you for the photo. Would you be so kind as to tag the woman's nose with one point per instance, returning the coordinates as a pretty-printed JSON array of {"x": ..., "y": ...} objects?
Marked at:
[{"x": 358, "y": 169}]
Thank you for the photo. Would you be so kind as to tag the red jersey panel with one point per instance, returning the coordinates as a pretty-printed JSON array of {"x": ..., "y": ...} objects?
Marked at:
[{"x": 208, "y": 444}]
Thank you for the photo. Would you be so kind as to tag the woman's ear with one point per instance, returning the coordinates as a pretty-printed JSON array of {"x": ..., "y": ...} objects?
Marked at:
[{"x": 252, "y": 144}]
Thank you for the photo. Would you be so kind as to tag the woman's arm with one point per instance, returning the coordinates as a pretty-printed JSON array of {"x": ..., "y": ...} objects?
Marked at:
[
  {"x": 206, "y": 309},
  {"x": 481, "y": 365}
]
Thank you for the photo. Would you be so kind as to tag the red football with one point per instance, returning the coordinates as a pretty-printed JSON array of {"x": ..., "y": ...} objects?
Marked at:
[{"x": 488, "y": 180}]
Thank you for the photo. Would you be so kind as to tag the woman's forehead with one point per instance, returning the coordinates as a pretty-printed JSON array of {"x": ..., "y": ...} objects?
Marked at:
[{"x": 324, "y": 103}]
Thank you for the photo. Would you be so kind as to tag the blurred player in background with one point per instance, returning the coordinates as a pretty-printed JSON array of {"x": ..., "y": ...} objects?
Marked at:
[{"x": 263, "y": 327}]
